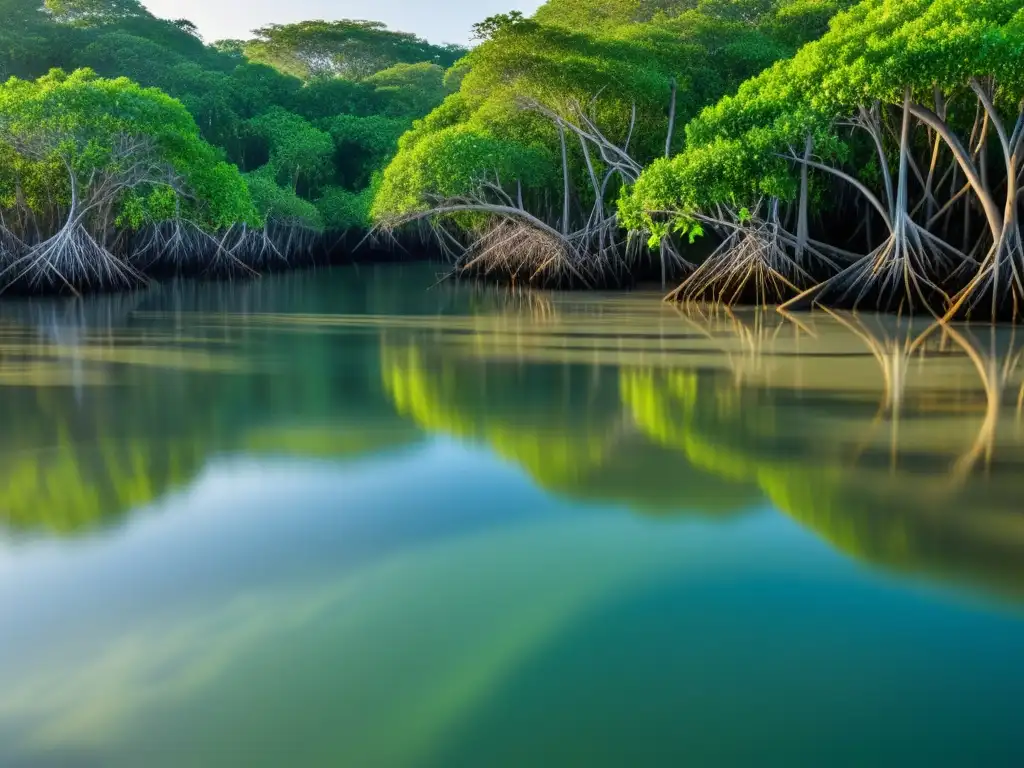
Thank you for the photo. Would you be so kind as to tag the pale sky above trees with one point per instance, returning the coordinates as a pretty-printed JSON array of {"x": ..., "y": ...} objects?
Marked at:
[{"x": 448, "y": 21}]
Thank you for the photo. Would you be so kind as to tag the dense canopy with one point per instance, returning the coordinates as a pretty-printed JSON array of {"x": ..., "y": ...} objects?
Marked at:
[
  {"x": 828, "y": 152},
  {"x": 84, "y": 159},
  {"x": 247, "y": 95},
  {"x": 350, "y": 49},
  {"x": 590, "y": 92},
  {"x": 910, "y": 106}
]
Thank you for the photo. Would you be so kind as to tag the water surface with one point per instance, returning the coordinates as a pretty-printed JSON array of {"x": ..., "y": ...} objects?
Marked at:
[{"x": 357, "y": 518}]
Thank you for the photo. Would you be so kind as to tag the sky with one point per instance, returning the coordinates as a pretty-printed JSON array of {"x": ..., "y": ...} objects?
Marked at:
[{"x": 447, "y": 21}]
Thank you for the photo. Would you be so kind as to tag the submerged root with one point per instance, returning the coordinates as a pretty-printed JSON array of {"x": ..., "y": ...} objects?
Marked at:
[
  {"x": 520, "y": 252},
  {"x": 489, "y": 232},
  {"x": 751, "y": 265},
  {"x": 70, "y": 260},
  {"x": 279, "y": 244},
  {"x": 896, "y": 276},
  {"x": 182, "y": 246},
  {"x": 260, "y": 250},
  {"x": 175, "y": 245},
  {"x": 228, "y": 255},
  {"x": 998, "y": 285}
]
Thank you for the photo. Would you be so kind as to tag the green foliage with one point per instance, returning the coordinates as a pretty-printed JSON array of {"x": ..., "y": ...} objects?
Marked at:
[
  {"x": 346, "y": 48},
  {"x": 299, "y": 152},
  {"x": 30, "y": 42},
  {"x": 256, "y": 113},
  {"x": 591, "y": 15},
  {"x": 325, "y": 97},
  {"x": 495, "y": 25},
  {"x": 607, "y": 56},
  {"x": 83, "y": 123},
  {"x": 375, "y": 135},
  {"x": 799, "y": 21},
  {"x": 409, "y": 89},
  {"x": 94, "y": 12},
  {"x": 448, "y": 162},
  {"x": 364, "y": 145},
  {"x": 871, "y": 53},
  {"x": 342, "y": 209},
  {"x": 280, "y": 203}
]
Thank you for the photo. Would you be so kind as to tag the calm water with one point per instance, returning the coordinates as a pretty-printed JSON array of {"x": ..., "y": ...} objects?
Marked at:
[{"x": 349, "y": 518}]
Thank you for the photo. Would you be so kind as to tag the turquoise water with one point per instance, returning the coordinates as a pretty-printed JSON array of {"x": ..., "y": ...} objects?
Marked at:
[{"x": 357, "y": 518}]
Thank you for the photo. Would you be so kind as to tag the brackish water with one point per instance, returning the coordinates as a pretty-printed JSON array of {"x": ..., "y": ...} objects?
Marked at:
[{"x": 356, "y": 518}]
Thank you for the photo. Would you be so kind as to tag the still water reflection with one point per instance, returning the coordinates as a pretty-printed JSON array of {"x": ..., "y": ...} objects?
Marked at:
[{"x": 345, "y": 518}]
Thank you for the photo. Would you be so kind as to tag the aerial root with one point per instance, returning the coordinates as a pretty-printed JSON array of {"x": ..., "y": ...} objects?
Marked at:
[
  {"x": 752, "y": 263},
  {"x": 178, "y": 244},
  {"x": 11, "y": 246},
  {"x": 515, "y": 249},
  {"x": 182, "y": 246},
  {"x": 69, "y": 260},
  {"x": 489, "y": 230},
  {"x": 999, "y": 282},
  {"x": 896, "y": 277}
]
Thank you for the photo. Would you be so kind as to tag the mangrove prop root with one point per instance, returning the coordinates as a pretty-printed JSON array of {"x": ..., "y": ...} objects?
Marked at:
[
  {"x": 751, "y": 264},
  {"x": 69, "y": 260},
  {"x": 758, "y": 260},
  {"x": 894, "y": 277}
]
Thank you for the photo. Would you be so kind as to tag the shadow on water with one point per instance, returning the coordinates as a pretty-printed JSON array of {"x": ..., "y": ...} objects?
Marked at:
[{"x": 898, "y": 443}]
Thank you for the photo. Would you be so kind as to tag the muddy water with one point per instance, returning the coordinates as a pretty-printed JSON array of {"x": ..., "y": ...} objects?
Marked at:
[{"x": 356, "y": 518}]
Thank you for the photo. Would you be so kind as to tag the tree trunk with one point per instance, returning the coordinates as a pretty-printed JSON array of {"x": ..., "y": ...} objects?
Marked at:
[
  {"x": 802, "y": 226},
  {"x": 671, "y": 118},
  {"x": 992, "y": 213},
  {"x": 565, "y": 181}
]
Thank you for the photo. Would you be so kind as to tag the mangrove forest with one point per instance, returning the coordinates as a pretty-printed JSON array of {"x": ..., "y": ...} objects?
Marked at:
[{"x": 790, "y": 153}]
